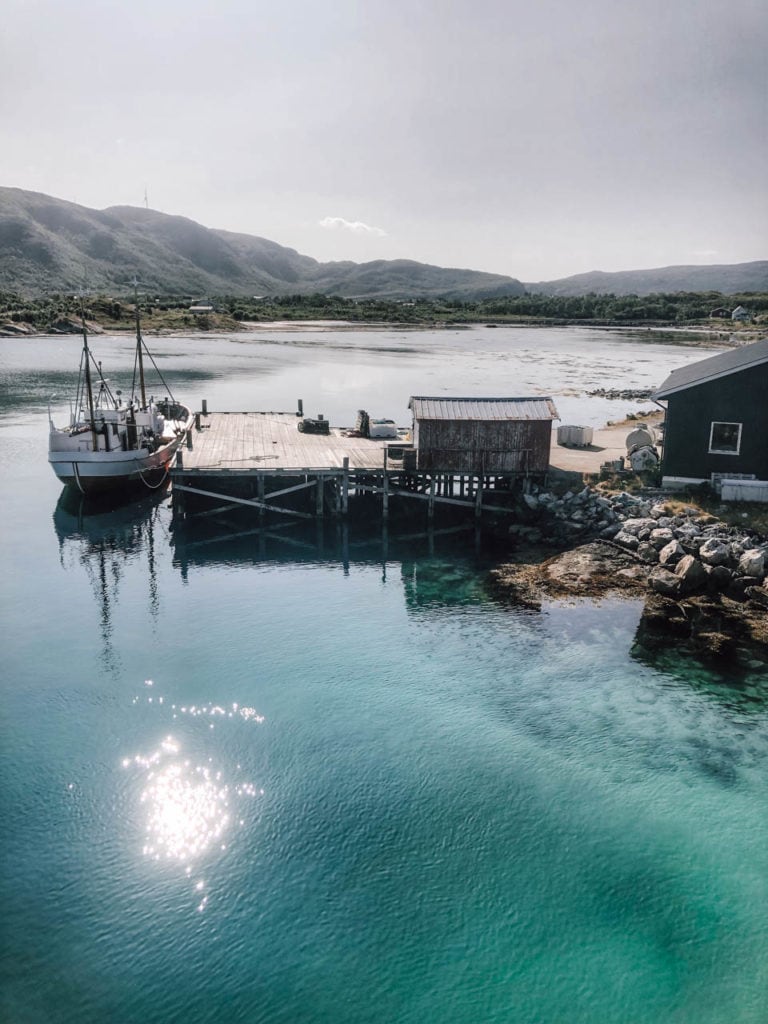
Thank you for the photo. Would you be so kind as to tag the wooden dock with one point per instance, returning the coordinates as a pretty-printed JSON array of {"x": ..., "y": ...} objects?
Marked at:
[
  {"x": 241, "y": 442},
  {"x": 263, "y": 461}
]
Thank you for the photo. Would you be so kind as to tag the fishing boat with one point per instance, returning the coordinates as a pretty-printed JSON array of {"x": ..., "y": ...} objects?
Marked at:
[{"x": 110, "y": 445}]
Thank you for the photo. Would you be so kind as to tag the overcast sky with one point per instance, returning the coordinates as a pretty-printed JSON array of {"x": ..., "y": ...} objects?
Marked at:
[{"x": 535, "y": 139}]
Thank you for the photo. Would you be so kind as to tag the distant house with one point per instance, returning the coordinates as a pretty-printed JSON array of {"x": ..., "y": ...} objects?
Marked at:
[
  {"x": 721, "y": 313},
  {"x": 740, "y": 313},
  {"x": 201, "y": 308},
  {"x": 496, "y": 436},
  {"x": 717, "y": 418}
]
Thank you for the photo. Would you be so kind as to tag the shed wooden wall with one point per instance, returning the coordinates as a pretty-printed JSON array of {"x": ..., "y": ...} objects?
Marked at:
[
  {"x": 483, "y": 446},
  {"x": 738, "y": 398}
]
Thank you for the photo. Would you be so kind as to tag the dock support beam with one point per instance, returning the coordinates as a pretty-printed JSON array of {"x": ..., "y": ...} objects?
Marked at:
[
  {"x": 260, "y": 492},
  {"x": 345, "y": 486},
  {"x": 319, "y": 497}
]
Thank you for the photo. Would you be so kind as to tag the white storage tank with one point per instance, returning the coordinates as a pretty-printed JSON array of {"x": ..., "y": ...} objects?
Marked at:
[
  {"x": 641, "y": 437},
  {"x": 578, "y": 436}
]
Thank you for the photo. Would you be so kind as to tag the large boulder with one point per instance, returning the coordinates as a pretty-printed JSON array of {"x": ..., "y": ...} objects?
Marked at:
[
  {"x": 752, "y": 563},
  {"x": 664, "y": 582},
  {"x": 691, "y": 573},
  {"x": 647, "y": 552},
  {"x": 671, "y": 553},
  {"x": 715, "y": 552},
  {"x": 660, "y": 537},
  {"x": 720, "y": 577}
]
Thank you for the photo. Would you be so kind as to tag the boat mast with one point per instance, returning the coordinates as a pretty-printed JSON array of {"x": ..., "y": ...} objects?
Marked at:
[
  {"x": 139, "y": 345},
  {"x": 88, "y": 385}
]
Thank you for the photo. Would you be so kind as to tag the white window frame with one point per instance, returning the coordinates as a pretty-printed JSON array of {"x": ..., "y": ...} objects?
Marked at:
[{"x": 721, "y": 451}]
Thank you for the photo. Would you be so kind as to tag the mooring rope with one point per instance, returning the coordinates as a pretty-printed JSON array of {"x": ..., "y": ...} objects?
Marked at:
[
  {"x": 76, "y": 471},
  {"x": 153, "y": 487}
]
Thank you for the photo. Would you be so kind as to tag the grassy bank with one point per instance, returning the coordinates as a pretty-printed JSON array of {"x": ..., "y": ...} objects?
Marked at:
[{"x": 676, "y": 312}]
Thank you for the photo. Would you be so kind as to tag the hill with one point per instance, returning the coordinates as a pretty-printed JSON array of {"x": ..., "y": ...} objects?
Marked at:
[
  {"x": 49, "y": 245},
  {"x": 729, "y": 279}
]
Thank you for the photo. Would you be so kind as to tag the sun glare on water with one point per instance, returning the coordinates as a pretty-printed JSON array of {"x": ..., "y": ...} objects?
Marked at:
[{"x": 189, "y": 809}]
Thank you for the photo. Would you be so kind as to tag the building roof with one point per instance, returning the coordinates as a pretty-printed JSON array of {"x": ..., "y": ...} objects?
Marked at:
[
  {"x": 705, "y": 370},
  {"x": 426, "y": 408}
]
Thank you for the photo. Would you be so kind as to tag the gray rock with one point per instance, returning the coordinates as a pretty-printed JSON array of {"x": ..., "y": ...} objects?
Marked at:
[
  {"x": 692, "y": 574},
  {"x": 752, "y": 563},
  {"x": 627, "y": 540},
  {"x": 671, "y": 553},
  {"x": 738, "y": 586},
  {"x": 636, "y": 526},
  {"x": 687, "y": 532},
  {"x": 610, "y": 532},
  {"x": 648, "y": 553},
  {"x": 531, "y": 501},
  {"x": 660, "y": 537},
  {"x": 757, "y": 594},
  {"x": 720, "y": 577},
  {"x": 664, "y": 582},
  {"x": 715, "y": 552}
]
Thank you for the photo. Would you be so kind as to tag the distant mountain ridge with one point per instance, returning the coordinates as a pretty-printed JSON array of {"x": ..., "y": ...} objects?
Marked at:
[
  {"x": 51, "y": 245},
  {"x": 728, "y": 278}
]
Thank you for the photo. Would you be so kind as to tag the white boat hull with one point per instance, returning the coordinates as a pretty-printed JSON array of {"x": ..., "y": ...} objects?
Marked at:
[{"x": 96, "y": 472}]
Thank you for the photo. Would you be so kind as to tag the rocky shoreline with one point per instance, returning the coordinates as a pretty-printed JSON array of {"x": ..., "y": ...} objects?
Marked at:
[{"x": 705, "y": 584}]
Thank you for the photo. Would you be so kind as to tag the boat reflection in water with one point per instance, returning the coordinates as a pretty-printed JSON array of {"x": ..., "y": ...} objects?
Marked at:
[{"x": 103, "y": 537}]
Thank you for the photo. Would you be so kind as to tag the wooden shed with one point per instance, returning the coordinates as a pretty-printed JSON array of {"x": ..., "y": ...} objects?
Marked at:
[
  {"x": 500, "y": 436},
  {"x": 717, "y": 418}
]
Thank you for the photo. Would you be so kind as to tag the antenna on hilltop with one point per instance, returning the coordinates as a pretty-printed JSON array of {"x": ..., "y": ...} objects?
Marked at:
[{"x": 146, "y": 200}]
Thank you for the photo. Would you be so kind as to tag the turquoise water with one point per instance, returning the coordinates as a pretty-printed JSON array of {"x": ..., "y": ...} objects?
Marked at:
[{"x": 245, "y": 780}]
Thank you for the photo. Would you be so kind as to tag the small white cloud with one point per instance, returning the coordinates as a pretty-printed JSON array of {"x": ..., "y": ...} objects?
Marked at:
[{"x": 359, "y": 228}]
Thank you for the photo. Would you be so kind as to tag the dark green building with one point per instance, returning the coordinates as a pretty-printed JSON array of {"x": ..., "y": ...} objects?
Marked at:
[{"x": 717, "y": 418}]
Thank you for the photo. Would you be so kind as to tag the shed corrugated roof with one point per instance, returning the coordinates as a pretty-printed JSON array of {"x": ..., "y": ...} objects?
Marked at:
[
  {"x": 706, "y": 370},
  {"x": 426, "y": 408}
]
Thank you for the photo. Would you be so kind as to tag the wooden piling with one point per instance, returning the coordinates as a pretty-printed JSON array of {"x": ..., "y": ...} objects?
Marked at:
[{"x": 345, "y": 486}]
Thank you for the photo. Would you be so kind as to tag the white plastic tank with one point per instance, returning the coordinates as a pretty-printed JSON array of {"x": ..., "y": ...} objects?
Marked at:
[
  {"x": 578, "y": 436},
  {"x": 641, "y": 437}
]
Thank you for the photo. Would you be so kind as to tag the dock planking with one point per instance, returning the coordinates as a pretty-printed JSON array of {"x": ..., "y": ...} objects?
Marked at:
[{"x": 270, "y": 442}]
